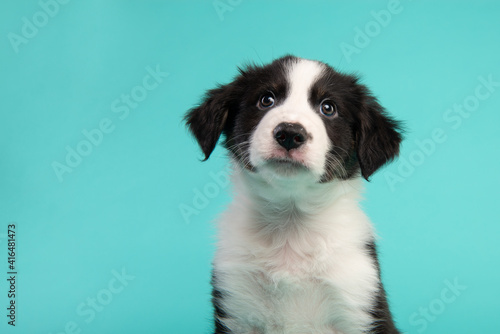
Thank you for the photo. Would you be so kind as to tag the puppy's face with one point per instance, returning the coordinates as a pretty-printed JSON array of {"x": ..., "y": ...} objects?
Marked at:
[{"x": 297, "y": 117}]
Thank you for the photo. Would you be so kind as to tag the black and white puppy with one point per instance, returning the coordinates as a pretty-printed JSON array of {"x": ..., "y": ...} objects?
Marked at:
[{"x": 296, "y": 254}]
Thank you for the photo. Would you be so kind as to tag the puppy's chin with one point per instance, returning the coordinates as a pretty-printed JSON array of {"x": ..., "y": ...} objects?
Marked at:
[
  {"x": 285, "y": 167},
  {"x": 284, "y": 172}
]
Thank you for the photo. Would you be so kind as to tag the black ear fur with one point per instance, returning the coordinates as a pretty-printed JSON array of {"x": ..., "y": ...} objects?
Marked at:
[
  {"x": 379, "y": 137},
  {"x": 207, "y": 121}
]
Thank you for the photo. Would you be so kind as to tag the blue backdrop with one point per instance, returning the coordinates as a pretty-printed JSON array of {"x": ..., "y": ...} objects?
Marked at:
[{"x": 109, "y": 207}]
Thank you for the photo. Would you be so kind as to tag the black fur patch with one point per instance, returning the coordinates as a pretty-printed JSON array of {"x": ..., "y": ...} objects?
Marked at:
[
  {"x": 363, "y": 136},
  {"x": 382, "y": 323},
  {"x": 219, "y": 312},
  {"x": 232, "y": 109}
]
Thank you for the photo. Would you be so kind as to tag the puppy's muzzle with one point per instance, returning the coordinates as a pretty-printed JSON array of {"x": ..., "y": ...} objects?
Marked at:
[{"x": 290, "y": 135}]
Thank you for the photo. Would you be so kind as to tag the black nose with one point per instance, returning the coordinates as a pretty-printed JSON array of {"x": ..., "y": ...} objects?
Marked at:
[{"x": 290, "y": 135}]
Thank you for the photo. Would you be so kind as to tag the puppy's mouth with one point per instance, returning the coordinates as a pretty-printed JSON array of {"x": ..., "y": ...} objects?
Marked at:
[{"x": 286, "y": 166}]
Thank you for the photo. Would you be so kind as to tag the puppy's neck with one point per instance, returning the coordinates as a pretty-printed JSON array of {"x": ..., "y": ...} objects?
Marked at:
[{"x": 293, "y": 197}]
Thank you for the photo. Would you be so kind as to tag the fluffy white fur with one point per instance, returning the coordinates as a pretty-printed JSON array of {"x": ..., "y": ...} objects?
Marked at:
[{"x": 292, "y": 251}]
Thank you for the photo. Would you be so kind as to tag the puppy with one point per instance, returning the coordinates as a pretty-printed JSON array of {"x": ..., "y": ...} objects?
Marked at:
[{"x": 296, "y": 254}]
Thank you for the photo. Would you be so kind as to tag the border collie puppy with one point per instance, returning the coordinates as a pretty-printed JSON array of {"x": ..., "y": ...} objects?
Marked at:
[{"x": 296, "y": 254}]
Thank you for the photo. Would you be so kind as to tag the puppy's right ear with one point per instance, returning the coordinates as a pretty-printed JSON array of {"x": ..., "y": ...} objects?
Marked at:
[{"x": 207, "y": 121}]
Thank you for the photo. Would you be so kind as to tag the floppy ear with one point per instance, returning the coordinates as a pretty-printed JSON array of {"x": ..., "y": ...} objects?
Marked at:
[
  {"x": 378, "y": 136},
  {"x": 207, "y": 121}
]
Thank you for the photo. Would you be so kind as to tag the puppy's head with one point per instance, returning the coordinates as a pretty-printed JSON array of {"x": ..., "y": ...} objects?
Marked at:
[{"x": 297, "y": 117}]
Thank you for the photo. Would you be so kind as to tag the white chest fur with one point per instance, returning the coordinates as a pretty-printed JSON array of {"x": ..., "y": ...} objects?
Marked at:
[{"x": 299, "y": 270}]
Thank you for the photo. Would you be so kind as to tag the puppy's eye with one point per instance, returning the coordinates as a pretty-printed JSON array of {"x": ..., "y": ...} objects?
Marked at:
[
  {"x": 328, "y": 108},
  {"x": 267, "y": 100}
]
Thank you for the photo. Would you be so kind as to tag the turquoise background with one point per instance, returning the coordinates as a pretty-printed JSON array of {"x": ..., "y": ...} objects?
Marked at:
[{"x": 119, "y": 211}]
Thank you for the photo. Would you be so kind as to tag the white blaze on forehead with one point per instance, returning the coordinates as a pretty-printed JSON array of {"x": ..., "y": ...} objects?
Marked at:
[{"x": 301, "y": 76}]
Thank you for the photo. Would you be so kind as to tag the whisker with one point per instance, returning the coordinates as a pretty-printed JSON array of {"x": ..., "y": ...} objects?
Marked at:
[
  {"x": 340, "y": 148},
  {"x": 338, "y": 165}
]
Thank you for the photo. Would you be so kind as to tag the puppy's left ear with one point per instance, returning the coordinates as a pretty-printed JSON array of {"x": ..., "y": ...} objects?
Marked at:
[
  {"x": 379, "y": 137},
  {"x": 207, "y": 121}
]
